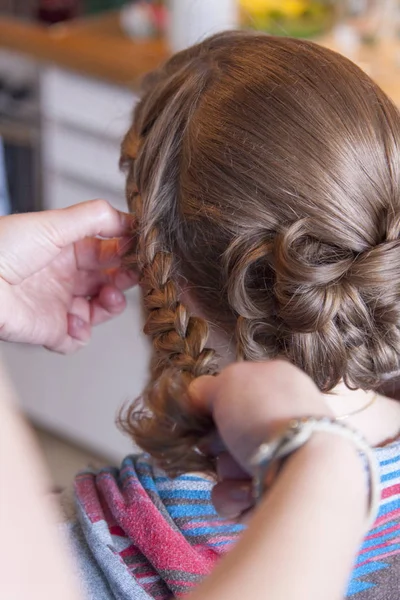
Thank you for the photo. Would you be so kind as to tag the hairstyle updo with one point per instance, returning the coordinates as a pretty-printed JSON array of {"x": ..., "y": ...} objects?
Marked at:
[{"x": 264, "y": 173}]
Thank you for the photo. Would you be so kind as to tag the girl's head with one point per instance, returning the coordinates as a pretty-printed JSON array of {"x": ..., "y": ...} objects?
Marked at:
[{"x": 265, "y": 176}]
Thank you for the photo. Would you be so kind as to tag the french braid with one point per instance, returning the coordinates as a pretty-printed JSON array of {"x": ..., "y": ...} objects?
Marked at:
[{"x": 167, "y": 428}]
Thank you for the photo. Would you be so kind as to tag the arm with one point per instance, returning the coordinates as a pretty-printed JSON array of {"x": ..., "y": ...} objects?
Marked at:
[
  {"x": 302, "y": 540},
  {"x": 33, "y": 561}
]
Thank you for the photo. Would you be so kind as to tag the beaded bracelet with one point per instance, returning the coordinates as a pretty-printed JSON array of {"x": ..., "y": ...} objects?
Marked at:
[{"x": 296, "y": 435}]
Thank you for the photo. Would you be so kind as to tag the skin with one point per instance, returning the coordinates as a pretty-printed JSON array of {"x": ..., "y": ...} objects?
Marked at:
[{"x": 57, "y": 279}]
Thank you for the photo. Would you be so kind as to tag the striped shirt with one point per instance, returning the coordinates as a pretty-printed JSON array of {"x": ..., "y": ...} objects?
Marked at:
[
  {"x": 142, "y": 535},
  {"x": 376, "y": 574}
]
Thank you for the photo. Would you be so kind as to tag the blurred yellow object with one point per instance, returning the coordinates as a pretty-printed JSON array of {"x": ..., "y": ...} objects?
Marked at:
[
  {"x": 290, "y": 8},
  {"x": 298, "y": 18}
]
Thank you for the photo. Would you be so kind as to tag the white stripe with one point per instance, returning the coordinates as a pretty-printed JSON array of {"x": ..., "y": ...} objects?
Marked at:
[
  {"x": 392, "y": 468},
  {"x": 203, "y": 486}
]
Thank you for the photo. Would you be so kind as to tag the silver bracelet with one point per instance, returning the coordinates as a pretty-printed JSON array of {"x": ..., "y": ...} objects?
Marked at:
[{"x": 296, "y": 435}]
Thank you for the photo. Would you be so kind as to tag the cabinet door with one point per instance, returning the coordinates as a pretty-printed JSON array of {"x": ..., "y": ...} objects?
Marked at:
[
  {"x": 78, "y": 396},
  {"x": 85, "y": 157},
  {"x": 87, "y": 104}
]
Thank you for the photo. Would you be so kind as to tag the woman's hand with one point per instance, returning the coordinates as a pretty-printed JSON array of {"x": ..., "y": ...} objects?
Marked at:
[
  {"x": 250, "y": 402},
  {"x": 57, "y": 279},
  {"x": 311, "y": 522}
]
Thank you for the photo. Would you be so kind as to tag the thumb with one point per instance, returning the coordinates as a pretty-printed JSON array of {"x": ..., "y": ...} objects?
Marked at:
[
  {"x": 28, "y": 242},
  {"x": 87, "y": 219},
  {"x": 202, "y": 393}
]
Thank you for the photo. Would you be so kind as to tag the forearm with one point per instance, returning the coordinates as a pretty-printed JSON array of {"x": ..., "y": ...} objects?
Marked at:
[
  {"x": 303, "y": 539},
  {"x": 27, "y": 518}
]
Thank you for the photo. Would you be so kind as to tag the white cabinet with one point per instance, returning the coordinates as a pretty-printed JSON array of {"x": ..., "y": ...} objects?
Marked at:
[{"x": 78, "y": 396}]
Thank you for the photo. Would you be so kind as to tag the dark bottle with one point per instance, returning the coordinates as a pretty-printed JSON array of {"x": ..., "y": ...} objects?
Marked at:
[{"x": 56, "y": 11}]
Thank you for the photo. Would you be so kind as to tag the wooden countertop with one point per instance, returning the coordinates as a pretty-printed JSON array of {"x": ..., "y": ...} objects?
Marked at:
[
  {"x": 99, "y": 48},
  {"x": 96, "y": 47}
]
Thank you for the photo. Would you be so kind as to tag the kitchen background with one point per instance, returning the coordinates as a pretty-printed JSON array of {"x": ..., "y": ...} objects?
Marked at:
[{"x": 70, "y": 72}]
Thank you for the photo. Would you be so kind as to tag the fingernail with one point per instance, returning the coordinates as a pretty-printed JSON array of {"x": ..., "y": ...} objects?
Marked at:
[
  {"x": 78, "y": 329},
  {"x": 241, "y": 493},
  {"x": 78, "y": 322},
  {"x": 116, "y": 297}
]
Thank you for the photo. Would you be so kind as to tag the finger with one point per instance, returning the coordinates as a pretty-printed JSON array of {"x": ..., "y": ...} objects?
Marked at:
[
  {"x": 212, "y": 445},
  {"x": 68, "y": 345},
  {"x": 89, "y": 283},
  {"x": 109, "y": 303},
  {"x": 88, "y": 219},
  {"x": 124, "y": 279},
  {"x": 79, "y": 327},
  {"x": 28, "y": 242},
  {"x": 201, "y": 392},
  {"x": 86, "y": 313},
  {"x": 95, "y": 253},
  {"x": 231, "y": 498},
  {"x": 228, "y": 468}
]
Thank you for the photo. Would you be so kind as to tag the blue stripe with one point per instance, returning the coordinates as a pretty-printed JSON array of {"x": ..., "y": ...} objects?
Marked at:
[
  {"x": 389, "y": 507},
  {"x": 390, "y": 461},
  {"x": 380, "y": 539},
  {"x": 189, "y": 511},
  {"x": 356, "y": 587},
  {"x": 186, "y": 494},
  {"x": 222, "y": 543},
  {"x": 379, "y": 551},
  {"x": 369, "y": 567},
  {"x": 181, "y": 478},
  {"x": 223, "y": 530},
  {"x": 381, "y": 528},
  {"x": 389, "y": 476}
]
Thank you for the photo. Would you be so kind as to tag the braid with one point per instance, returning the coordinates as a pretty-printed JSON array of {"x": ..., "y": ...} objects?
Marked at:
[
  {"x": 164, "y": 424},
  {"x": 167, "y": 428}
]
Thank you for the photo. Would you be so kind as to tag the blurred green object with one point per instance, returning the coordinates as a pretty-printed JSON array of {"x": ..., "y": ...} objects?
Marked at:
[
  {"x": 97, "y": 6},
  {"x": 295, "y": 18}
]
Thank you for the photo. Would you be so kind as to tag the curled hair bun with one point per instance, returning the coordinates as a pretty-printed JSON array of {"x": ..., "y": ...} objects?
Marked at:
[{"x": 338, "y": 306}]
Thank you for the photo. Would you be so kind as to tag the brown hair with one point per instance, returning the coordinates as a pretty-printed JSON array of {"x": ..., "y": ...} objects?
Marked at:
[{"x": 265, "y": 173}]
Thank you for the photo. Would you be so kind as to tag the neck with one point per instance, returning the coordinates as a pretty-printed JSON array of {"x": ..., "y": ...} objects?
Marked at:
[
  {"x": 341, "y": 400},
  {"x": 379, "y": 422}
]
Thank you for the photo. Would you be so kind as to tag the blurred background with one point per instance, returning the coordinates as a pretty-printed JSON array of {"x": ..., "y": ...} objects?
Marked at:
[{"x": 70, "y": 72}]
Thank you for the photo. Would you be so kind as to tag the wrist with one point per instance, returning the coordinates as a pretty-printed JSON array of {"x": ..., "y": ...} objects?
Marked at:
[
  {"x": 325, "y": 449},
  {"x": 325, "y": 452},
  {"x": 334, "y": 452}
]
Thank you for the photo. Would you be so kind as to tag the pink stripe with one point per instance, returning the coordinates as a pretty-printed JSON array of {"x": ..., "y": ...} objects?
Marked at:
[
  {"x": 391, "y": 491},
  {"x": 386, "y": 531},
  {"x": 194, "y": 525},
  {"x": 383, "y": 545},
  {"x": 395, "y": 514},
  {"x": 164, "y": 547},
  {"x": 86, "y": 492},
  {"x": 177, "y": 582},
  {"x": 129, "y": 552},
  {"x": 378, "y": 558},
  {"x": 117, "y": 531}
]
